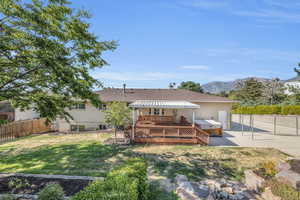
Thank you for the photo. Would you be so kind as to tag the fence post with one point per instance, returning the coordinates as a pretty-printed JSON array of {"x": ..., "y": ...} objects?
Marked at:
[
  {"x": 252, "y": 125},
  {"x": 297, "y": 128},
  {"x": 274, "y": 128},
  {"x": 242, "y": 121}
]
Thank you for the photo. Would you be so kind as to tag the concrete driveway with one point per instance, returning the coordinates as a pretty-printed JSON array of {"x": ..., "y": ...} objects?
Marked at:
[{"x": 287, "y": 144}]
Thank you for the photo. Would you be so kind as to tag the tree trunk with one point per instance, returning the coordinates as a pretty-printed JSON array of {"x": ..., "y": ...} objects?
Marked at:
[{"x": 115, "y": 134}]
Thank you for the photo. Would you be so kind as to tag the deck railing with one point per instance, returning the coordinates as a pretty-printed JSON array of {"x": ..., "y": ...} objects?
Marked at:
[
  {"x": 202, "y": 135},
  {"x": 156, "y": 118},
  {"x": 172, "y": 131}
]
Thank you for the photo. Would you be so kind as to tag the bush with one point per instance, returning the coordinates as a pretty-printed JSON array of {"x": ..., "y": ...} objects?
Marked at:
[
  {"x": 268, "y": 169},
  {"x": 127, "y": 182},
  {"x": 268, "y": 110},
  {"x": 282, "y": 190},
  {"x": 51, "y": 192},
  {"x": 290, "y": 110},
  {"x": 7, "y": 197}
]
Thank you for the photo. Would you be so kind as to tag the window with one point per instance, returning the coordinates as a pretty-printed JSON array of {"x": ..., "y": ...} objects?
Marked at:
[
  {"x": 149, "y": 111},
  {"x": 80, "y": 106},
  {"x": 102, "y": 106},
  {"x": 102, "y": 127},
  {"x": 162, "y": 111},
  {"x": 77, "y": 127},
  {"x": 156, "y": 111}
]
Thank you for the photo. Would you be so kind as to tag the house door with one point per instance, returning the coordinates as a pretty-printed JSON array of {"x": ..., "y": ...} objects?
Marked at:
[{"x": 223, "y": 118}]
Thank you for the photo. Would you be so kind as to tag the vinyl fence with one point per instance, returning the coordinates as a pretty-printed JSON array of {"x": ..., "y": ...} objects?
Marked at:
[{"x": 23, "y": 128}]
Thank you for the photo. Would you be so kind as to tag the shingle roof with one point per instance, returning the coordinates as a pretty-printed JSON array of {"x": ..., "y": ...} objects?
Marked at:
[{"x": 131, "y": 95}]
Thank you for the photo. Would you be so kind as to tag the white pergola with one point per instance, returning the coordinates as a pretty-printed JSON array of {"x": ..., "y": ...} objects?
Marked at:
[{"x": 162, "y": 104}]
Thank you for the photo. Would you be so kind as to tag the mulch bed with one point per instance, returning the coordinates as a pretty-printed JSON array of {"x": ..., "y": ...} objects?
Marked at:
[{"x": 32, "y": 185}]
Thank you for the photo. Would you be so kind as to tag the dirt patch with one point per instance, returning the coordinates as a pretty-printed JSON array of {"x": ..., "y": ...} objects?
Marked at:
[
  {"x": 295, "y": 166},
  {"x": 32, "y": 185}
]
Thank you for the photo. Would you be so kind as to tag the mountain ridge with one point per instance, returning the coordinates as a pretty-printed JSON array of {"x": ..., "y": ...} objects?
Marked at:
[{"x": 216, "y": 87}]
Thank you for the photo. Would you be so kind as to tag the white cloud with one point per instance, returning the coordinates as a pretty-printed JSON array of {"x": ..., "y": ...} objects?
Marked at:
[
  {"x": 204, "y": 4},
  {"x": 264, "y": 11},
  {"x": 197, "y": 67},
  {"x": 237, "y": 54},
  {"x": 272, "y": 15}
]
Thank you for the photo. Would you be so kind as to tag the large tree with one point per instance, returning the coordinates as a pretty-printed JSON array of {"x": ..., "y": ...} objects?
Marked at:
[
  {"x": 273, "y": 92},
  {"x": 46, "y": 53},
  {"x": 190, "y": 85},
  {"x": 250, "y": 92}
]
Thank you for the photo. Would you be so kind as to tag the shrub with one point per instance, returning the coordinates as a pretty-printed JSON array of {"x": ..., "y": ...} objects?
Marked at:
[
  {"x": 291, "y": 110},
  {"x": 268, "y": 169},
  {"x": 17, "y": 183},
  {"x": 282, "y": 190},
  {"x": 7, "y": 197},
  {"x": 51, "y": 192},
  {"x": 268, "y": 110},
  {"x": 126, "y": 182}
]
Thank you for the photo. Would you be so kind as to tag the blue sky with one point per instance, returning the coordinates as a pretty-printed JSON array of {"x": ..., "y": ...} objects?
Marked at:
[{"x": 163, "y": 41}]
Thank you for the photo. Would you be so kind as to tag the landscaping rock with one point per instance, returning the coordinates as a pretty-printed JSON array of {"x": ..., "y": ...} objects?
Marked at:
[
  {"x": 167, "y": 185},
  {"x": 253, "y": 181},
  {"x": 283, "y": 166},
  {"x": 181, "y": 178},
  {"x": 211, "y": 189},
  {"x": 268, "y": 195},
  {"x": 289, "y": 177},
  {"x": 186, "y": 186}
]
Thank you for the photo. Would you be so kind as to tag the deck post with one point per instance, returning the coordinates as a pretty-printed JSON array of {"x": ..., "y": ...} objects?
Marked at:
[
  {"x": 193, "y": 118},
  {"x": 133, "y": 123}
]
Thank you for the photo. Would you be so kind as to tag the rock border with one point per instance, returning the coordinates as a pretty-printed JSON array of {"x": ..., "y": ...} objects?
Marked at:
[{"x": 46, "y": 176}]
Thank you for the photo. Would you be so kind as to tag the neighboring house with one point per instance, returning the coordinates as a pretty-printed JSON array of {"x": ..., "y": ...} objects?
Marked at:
[
  {"x": 6, "y": 111},
  {"x": 25, "y": 115},
  {"x": 87, "y": 117},
  {"x": 290, "y": 85}
]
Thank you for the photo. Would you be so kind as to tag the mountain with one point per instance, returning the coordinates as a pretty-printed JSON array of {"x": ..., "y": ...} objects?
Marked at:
[
  {"x": 296, "y": 78},
  {"x": 219, "y": 86}
]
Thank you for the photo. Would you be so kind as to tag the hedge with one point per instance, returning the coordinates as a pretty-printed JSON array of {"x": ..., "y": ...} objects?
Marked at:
[
  {"x": 127, "y": 182},
  {"x": 268, "y": 110}
]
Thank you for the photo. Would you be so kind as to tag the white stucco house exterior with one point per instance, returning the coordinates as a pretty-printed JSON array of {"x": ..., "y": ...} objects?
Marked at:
[
  {"x": 291, "y": 84},
  {"x": 88, "y": 117}
]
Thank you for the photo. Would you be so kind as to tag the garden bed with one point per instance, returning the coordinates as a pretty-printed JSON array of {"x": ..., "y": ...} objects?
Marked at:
[{"x": 32, "y": 184}]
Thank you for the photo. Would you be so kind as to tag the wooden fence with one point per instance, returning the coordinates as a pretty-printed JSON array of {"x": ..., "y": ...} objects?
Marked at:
[{"x": 23, "y": 128}]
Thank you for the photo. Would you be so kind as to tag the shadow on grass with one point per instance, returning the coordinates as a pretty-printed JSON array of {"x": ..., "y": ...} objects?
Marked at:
[
  {"x": 195, "y": 166},
  {"x": 158, "y": 194},
  {"x": 87, "y": 159}
]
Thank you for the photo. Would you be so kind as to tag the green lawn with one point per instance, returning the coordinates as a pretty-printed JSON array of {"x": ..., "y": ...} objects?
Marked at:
[{"x": 85, "y": 154}]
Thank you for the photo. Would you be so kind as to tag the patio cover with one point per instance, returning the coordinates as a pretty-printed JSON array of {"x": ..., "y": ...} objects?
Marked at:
[{"x": 163, "y": 104}]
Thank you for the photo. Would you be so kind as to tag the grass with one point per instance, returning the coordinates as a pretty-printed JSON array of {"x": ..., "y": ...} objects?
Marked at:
[{"x": 85, "y": 154}]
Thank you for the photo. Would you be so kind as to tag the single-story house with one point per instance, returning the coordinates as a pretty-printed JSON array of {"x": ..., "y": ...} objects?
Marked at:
[
  {"x": 177, "y": 108},
  {"x": 173, "y": 102}
]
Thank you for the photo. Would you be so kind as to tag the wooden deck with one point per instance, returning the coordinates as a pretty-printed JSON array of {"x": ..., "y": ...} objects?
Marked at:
[{"x": 170, "y": 134}]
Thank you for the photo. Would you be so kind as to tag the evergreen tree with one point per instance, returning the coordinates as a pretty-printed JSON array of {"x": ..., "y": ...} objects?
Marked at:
[
  {"x": 250, "y": 92},
  {"x": 190, "y": 85}
]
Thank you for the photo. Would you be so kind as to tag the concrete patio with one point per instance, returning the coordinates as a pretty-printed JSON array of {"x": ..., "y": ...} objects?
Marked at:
[{"x": 286, "y": 144}]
